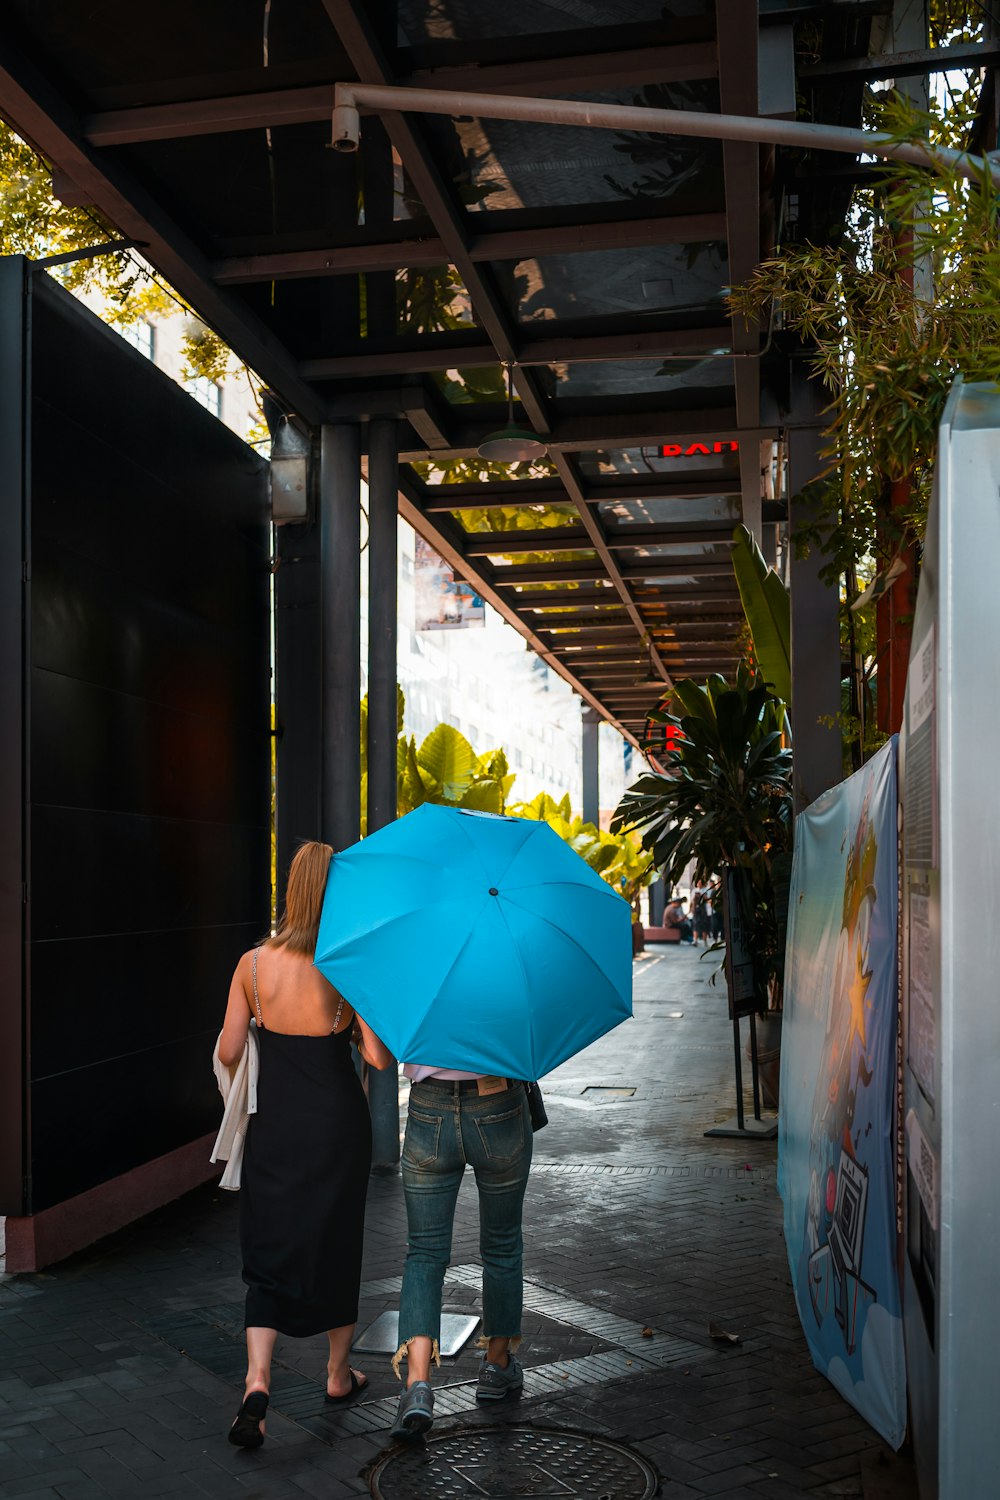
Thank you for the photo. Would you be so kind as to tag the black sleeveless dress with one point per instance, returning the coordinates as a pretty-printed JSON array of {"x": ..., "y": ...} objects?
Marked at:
[{"x": 305, "y": 1179}]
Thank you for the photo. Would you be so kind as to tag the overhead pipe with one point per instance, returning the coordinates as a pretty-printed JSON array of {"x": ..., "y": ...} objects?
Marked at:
[{"x": 350, "y": 98}]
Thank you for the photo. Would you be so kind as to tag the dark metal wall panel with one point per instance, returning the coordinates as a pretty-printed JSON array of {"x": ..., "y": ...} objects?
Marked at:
[
  {"x": 12, "y": 912},
  {"x": 95, "y": 1123},
  {"x": 149, "y": 749}
]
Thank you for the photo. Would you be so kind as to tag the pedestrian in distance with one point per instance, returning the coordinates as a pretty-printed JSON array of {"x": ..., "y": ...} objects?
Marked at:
[
  {"x": 706, "y": 930},
  {"x": 676, "y": 916},
  {"x": 307, "y": 1151},
  {"x": 454, "y": 1120},
  {"x": 699, "y": 916},
  {"x": 717, "y": 924}
]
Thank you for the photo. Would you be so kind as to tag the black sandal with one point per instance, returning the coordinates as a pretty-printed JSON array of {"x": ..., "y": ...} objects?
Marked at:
[
  {"x": 357, "y": 1386},
  {"x": 245, "y": 1431}
]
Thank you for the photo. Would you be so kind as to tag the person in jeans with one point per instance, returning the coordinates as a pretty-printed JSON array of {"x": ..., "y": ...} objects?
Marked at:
[{"x": 457, "y": 1120}]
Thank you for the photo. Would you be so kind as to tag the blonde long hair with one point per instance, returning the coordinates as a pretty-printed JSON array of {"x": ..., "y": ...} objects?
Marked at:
[{"x": 298, "y": 928}]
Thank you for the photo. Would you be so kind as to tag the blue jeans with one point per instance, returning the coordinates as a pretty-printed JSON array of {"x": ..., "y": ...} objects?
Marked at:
[{"x": 446, "y": 1131}]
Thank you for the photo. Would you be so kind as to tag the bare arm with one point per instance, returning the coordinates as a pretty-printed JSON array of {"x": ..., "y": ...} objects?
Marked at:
[
  {"x": 237, "y": 1022},
  {"x": 374, "y": 1051}
]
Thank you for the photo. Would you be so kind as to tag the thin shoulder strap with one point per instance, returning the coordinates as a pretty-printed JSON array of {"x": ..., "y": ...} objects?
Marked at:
[
  {"x": 256, "y": 997},
  {"x": 340, "y": 1012}
]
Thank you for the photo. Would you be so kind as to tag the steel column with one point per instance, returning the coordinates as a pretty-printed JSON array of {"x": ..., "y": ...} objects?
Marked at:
[
  {"x": 382, "y": 590},
  {"x": 297, "y": 694},
  {"x": 14, "y": 591},
  {"x": 737, "y": 27},
  {"x": 590, "y": 729},
  {"x": 383, "y": 487},
  {"x": 340, "y": 530}
]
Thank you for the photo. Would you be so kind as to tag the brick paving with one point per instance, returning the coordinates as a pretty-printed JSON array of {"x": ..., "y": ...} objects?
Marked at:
[{"x": 119, "y": 1369}]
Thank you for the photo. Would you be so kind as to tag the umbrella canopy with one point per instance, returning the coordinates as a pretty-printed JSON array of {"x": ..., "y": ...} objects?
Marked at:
[{"x": 476, "y": 942}]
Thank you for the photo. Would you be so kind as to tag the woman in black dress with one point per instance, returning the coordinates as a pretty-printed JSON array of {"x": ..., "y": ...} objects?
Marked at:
[{"x": 308, "y": 1147}]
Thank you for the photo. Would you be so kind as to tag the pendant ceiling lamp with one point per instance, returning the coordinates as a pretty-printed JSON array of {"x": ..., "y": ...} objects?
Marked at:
[{"x": 511, "y": 444}]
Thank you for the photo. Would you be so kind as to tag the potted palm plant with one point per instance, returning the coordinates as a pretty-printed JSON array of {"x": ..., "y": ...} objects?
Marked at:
[{"x": 724, "y": 798}]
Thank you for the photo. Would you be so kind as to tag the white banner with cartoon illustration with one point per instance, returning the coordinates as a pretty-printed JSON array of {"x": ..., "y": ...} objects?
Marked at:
[{"x": 836, "y": 1162}]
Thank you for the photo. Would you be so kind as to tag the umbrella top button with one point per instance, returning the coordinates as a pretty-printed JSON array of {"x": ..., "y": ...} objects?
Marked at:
[{"x": 494, "y": 891}]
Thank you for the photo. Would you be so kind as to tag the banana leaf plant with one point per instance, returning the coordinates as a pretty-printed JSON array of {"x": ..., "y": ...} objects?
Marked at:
[
  {"x": 767, "y": 608},
  {"x": 618, "y": 858},
  {"x": 724, "y": 798}
]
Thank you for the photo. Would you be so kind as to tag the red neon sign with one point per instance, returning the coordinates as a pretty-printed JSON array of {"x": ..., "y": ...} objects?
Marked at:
[
  {"x": 699, "y": 450},
  {"x": 661, "y": 738}
]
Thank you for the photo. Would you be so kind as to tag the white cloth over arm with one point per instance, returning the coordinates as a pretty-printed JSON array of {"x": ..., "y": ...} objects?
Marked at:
[{"x": 239, "y": 1101}]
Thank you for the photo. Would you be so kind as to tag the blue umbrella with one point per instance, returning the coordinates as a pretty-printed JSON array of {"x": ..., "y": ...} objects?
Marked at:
[{"x": 476, "y": 942}]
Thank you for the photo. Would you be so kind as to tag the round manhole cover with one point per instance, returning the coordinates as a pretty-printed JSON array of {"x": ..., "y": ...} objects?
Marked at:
[{"x": 506, "y": 1463}]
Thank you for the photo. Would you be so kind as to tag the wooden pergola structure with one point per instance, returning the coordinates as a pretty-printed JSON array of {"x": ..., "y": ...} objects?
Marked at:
[{"x": 394, "y": 286}]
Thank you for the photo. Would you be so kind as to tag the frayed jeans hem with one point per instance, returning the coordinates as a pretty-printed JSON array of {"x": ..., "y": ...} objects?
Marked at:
[{"x": 397, "y": 1358}]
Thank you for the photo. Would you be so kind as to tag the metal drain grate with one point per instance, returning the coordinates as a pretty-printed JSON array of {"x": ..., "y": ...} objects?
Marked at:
[{"x": 506, "y": 1463}]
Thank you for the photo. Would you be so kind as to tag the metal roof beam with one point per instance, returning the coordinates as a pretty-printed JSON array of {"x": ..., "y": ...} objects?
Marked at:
[
  {"x": 272, "y": 108},
  {"x": 506, "y": 577},
  {"x": 517, "y": 493},
  {"x": 447, "y": 353},
  {"x": 722, "y": 630},
  {"x": 589, "y": 594},
  {"x": 629, "y": 59},
  {"x": 587, "y": 658},
  {"x": 675, "y": 534},
  {"x": 502, "y": 244},
  {"x": 615, "y": 629},
  {"x": 587, "y": 426},
  {"x": 573, "y": 621},
  {"x": 785, "y": 12},
  {"x": 509, "y": 543},
  {"x": 164, "y": 122},
  {"x": 661, "y": 488},
  {"x": 569, "y": 538},
  {"x": 487, "y": 492},
  {"x": 573, "y": 434},
  {"x": 581, "y": 637},
  {"x": 914, "y": 63},
  {"x": 698, "y": 568}
]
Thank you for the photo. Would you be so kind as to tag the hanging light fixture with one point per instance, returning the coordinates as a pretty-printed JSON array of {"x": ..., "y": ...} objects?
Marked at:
[{"x": 511, "y": 444}]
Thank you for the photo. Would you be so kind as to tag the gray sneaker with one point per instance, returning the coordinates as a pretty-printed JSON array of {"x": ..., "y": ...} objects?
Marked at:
[
  {"x": 415, "y": 1412},
  {"x": 496, "y": 1383}
]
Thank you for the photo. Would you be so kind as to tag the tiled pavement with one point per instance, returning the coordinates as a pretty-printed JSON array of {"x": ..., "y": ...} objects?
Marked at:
[{"x": 119, "y": 1368}]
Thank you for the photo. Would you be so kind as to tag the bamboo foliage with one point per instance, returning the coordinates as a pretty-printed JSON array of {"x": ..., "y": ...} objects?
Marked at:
[{"x": 887, "y": 319}]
